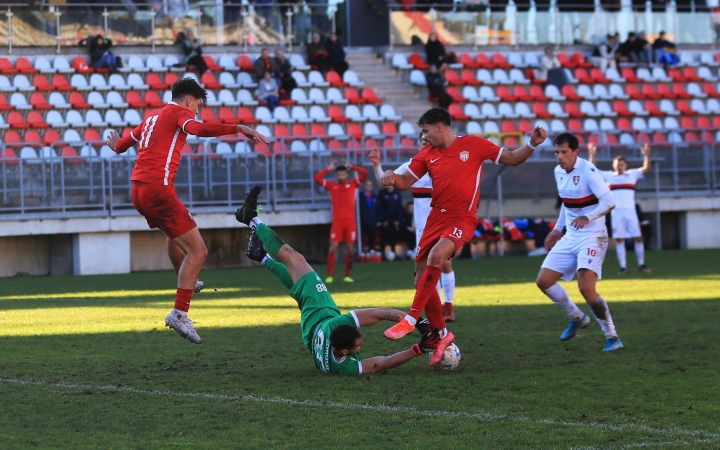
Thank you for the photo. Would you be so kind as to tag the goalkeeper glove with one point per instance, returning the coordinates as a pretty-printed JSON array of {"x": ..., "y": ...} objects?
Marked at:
[{"x": 423, "y": 325}]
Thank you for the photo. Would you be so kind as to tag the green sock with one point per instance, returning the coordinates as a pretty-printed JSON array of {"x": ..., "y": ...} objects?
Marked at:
[
  {"x": 280, "y": 271},
  {"x": 271, "y": 241}
]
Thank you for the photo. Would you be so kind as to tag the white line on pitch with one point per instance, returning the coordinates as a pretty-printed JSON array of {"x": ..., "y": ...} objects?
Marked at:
[{"x": 708, "y": 435}]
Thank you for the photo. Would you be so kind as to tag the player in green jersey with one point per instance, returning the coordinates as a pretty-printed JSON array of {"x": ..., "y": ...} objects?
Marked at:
[{"x": 332, "y": 338}]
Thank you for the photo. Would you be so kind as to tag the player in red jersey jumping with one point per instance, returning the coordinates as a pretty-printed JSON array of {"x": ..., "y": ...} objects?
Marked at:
[
  {"x": 160, "y": 139},
  {"x": 455, "y": 165},
  {"x": 344, "y": 223}
]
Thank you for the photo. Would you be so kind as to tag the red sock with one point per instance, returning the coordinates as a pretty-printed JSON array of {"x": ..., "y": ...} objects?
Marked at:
[
  {"x": 434, "y": 311},
  {"x": 424, "y": 293},
  {"x": 348, "y": 264},
  {"x": 182, "y": 299},
  {"x": 331, "y": 263}
]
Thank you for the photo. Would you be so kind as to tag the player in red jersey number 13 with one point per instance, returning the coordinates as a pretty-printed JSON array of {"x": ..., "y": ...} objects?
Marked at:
[
  {"x": 455, "y": 165},
  {"x": 160, "y": 138}
]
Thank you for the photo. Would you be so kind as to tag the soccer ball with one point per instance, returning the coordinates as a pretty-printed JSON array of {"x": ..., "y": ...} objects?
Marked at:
[
  {"x": 450, "y": 360},
  {"x": 390, "y": 256}
]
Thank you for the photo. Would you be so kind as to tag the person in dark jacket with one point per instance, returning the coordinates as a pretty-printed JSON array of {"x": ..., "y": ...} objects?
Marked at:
[
  {"x": 369, "y": 222},
  {"x": 265, "y": 64},
  {"x": 192, "y": 50},
  {"x": 100, "y": 55},
  {"x": 436, "y": 87},
  {"x": 390, "y": 214},
  {"x": 283, "y": 72},
  {"x": 336, "y": 55},
  {"x": 435, "y": 53},
  {"x": 317, "y": 56},
  {"x": 407, "y": 228}
]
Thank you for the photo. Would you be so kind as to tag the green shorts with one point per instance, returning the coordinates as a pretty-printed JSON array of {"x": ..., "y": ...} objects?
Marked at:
[{"x": 315, "y": 304}]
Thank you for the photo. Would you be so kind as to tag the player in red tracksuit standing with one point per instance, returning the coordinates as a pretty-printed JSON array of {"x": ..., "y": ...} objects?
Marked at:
[
  {"x": 455, "y": 164},
  {"x": 343, "y": 194},
  {"x": 160, "y": 138}
]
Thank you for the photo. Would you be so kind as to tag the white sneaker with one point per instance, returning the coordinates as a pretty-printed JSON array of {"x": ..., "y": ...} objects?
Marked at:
[
  {"x": 199, "y": 286},
  {"x": 183, "y": 325}
]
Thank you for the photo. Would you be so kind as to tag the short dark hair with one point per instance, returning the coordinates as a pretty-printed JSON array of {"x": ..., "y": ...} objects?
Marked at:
[
  {"x": 434, "y": 116},
  {"x": 188, "y": 86},
  {"x": 341, "y": 167},
  {"x": 617, "y": 159},
  {"x": 344, "y": 337},
  {"x": 631, "y": 34},
  {"x": 567, "y": 138}
]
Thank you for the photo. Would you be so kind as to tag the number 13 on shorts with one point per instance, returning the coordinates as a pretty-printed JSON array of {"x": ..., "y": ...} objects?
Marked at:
[{"x": 456, "y": 233}]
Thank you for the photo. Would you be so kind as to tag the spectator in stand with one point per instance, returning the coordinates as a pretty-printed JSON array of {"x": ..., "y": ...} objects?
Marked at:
[
  {"x": 435, "y": 53},
  {"x": 317, "y": 56},
  {"x": 407, "y": 229},
  {"x": 265, "y": 11},
  {"x": 548, "y": 62},
  {"x": 665, "y": 51},
  {"x": 436, "y": 86},
  {"x": 284, "y": 74},
  {"x": 643, "y": 48},
  {"x": 604, "y": 54},
  {"x": 192, "y": 51},
  {"x": 264, "y": 64},
  {"x": 336, "y": 55},
  {"x": 100, "y": 55},
  {"x": 626, "y": 52},
  {"x": 390, "y": 213},
  {"x": 369, "y": 223},
  {"x": 268, "y": 91}
]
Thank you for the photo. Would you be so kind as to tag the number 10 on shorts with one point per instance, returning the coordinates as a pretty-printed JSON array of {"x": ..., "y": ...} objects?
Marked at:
[{"x": 592, "y": 252}]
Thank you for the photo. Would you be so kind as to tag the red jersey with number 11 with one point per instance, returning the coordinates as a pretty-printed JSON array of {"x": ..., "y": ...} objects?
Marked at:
[{"x": 456, "y": 172}]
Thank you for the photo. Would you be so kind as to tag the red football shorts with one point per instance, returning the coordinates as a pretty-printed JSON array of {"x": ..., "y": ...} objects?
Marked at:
[
  {"x": 162, "y": 208},
  {"x": 459, "y": 229},
  {"x": 343, "y": 230}
]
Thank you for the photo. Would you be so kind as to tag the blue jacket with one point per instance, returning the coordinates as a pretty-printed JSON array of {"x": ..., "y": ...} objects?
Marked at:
[
  {"x": 390, "y": 206},
  {"x": 368, "y": 208}
]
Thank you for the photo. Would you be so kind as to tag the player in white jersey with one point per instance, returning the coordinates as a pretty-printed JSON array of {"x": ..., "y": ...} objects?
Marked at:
[
  {"x": 586, "y": 200},
  {"x": 624, "y": 219},
  {"x": 422, "y": 197}
]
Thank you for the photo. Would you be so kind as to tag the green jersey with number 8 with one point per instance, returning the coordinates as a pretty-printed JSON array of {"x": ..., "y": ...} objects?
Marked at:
[{"x": 319, "y": 315}]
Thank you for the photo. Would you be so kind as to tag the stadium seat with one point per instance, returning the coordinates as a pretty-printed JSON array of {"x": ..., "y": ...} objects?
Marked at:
[
  {"x": 79, "y": 63},
  {"x": 154, "y": 81},
  {"x": 647, "y": 92},
  {"x": 629, "y": 75},
  {"x": 603, "y": 108},
  {"x": 613, "y": 75},
  {"x": 334, "y": 79},
  {"x": 417, "y": 78},
  {"x": 659, "y": 75},
  {"x": 468, "y": 78},
  {"x": 676, "y": 75},
  {"x": 539, "y": 110},
  {"x": 667, "y": 107},
  {"x": 467, "y": 61},
  {"x": 317, "y": 114},
  {"x": 569, "y": 92},
  {"x": 389, "y": 128},
  {"x": 117, "y": 82},
  {"x": 351, "y": 77},
  {"x": 456, "y": 96},
  {"x": 688, "y": 110},
  {"x": 587, "y": 108},
  {"x": 399, "y": 61},
  {"x": 418, "y": 62},
  {"x": 299, "y": 114},
  {"x": 245, "y": 116},
  {"x": 491, "y": 127},
  {"x": 387, "y": 112},
  {"x": 691, "y": 75},
  {"x": 637, "y": 108},
  {"x": 664, "y": 91},
  {"x": 352, "y": 96},
  {"x": 585, "y": 92},
  {"x": 556, "y": 110},
  {"x": 506, "y": 110},
  {"x": 504, "y": 93},
  {"x": 489, "y": 111},
  {"x": 225, "y": 115},
  {"x": 153, "y": 100},
  {"x": 5, "y": 106},
  {"x": 19, "y": 101},
  {"x": 369, "y": 96},
  {"x": 620, "y": 107},
  {"x": 708, "y": 90},
  {"x": 472, "y": 111},
  {"x": 337, "y": 115},
  {"x": 597, "y": 76},
  {"x": 486, "y": 93},
  {"x": 16, "y": 120},
  {"x": 5, "y": 84},
  {"x": 244, "y": 63},
  {"x": 572, "y": 110},
  {"x": 355, "y": 131},
  {"x": 617, "y": 92}
]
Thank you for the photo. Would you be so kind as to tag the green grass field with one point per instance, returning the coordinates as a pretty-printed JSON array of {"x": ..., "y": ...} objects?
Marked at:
[{"x": 87, "y": 363}]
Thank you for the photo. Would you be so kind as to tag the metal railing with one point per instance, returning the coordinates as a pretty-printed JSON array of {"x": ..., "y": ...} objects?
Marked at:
[{"x": 60, "y": 186}]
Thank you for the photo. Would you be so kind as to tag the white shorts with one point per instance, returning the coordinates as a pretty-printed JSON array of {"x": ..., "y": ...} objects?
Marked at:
[
  {"x": 571, "y": 254},
  {"x": 625, "y": 224}
]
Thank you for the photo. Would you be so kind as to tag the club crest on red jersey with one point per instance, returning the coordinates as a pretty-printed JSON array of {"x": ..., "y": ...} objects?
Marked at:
[
  {"x": 576, "y": 179},
  {"x": 465, "y": 155}
]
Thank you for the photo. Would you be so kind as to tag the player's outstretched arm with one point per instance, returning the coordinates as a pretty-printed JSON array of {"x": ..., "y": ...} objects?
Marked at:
[
  {"x": 592, "y": 151},
  {"x": 645, "y": 150},
  {"x": 520, "y": 155},
  {"x": 118, "y": 144},
  {"x": 371, "y": 316},
  {"x": 401, "y": 182},
  {"x": 380, "y": 363}
]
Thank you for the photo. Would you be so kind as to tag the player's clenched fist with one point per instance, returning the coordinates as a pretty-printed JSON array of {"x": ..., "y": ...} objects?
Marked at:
[
  {"x": 388, "y": 178},
  {"x": 538, "y": 136}
]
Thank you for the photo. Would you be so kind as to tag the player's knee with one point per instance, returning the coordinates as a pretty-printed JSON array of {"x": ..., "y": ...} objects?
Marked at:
[
  {"x": 542, "y": 283},
  {"x": 588, "y": 292}
]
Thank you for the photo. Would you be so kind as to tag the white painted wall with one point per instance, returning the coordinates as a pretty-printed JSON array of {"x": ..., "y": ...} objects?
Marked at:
[
  {"x": 101, "y": 253},
  {"x": 701, "y": 229}
]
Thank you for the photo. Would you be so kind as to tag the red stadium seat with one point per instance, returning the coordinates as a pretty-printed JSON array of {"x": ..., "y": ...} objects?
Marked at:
[
  {"x": 212, "y": 65},
  {"x": 351, "y": 95},
  {"x": 623, "y": 124},
  {"x": 484, "y": 62},
  {"x": 630, "y": 76},
  {"x": 418, "y": 61},
  {"x": 80, "y": 64},
  {"x": 691, "y": 137},
  {"x": 77, "y": 101},
  {"x": 336, "y": 114},
  {"x": 154, "y": 81},
  {"x": 679, "y": 91},
  {"x": 15, "y": 120},
  {"x": 334, "y": 79},
  {"x": 37, "y": 100},
  {"x": 32, "y": 138},
  {"x": 708, "y": 138},
  {"x": 684, "y": 108},
  {"x": 510, "y": 141},
  {"x": 677, "y": 76},
  {"x": 575, "y": 125},
  {"x": 389, "y": 143},
  {"x": 565, "y": 61},
  {"x": 369, "y": 96},
  {"x": 611, "y": 138},
  {"x": 170, "y": 79},
  {"x": 583, "y": 76},
  {"x": 467, "y": 61},
  {"x": 12, "y": 139},
  {"x": 594, "y": 139},
  {"x": 703, "y": 122},
  {"x": 573, "y": 111},
  {"x": 597, "y": 75},
  {"x": 652, "y": 108},
  {"x": 634, "y": 92},
  {"x": 262, "y": 148},
  {"x": 457, "y": 113},
  {"x": 500, "y": 62},
  {"x": 50, "y": 137},
  {"x": 647, "y": 91},
  {"x": 354, "y": 130},
  {"x": 133, "y": 99},
  {"x": 389, "y": 128},
  {"x": 244, "y": 63},
  {"x": 210, "y": 82},
  {"x": 507, "y": 127},
  {"x": 467, "y": 77},
  {"x": 70, "y": 155},
  {"x": 41, "y": 83},
  {"x": 207, "y": 115},
  {"x": 6, "y": 67},
  {"x": 663, "y": 91},
  {"x": 452, "y": 78},
  {"x": 579, "y": 60},
  {"x": 24, "y": 66},
  {"x": 620, "y": 107},
  {"x": 92, "y": 135},
  {"x": 9, "y": 156},
  {"x": 370, "y": 143},
  {"x": 524, "y": 126},
  {"x": 503, "y": 92},
  {"x": 569, "y": 92},
  {"x": 709, "y": 89},
  {"x": 60, "y": 83},
  {"x": 521, "y": 94},
  {"x": 281, "y": 131},
  {"x": 659, "y": 138},
  {"x": 455, "y": 94},
  {"x": 226, "y": 115},
  {"x": 336, "y": 146},
  {"x": 686, "y": 123},
  {"x": 539, "y": 110},
  {"x": 691, "y": 75},
  {"x": 4, "y": 105},
  {"x": 245, "y": 116},
  {"x": 153, "y": 99},
  {"x": 318, "y": 129},
  {"x": 537, "y": 94},
  {"x": 300, "y": 132}
]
